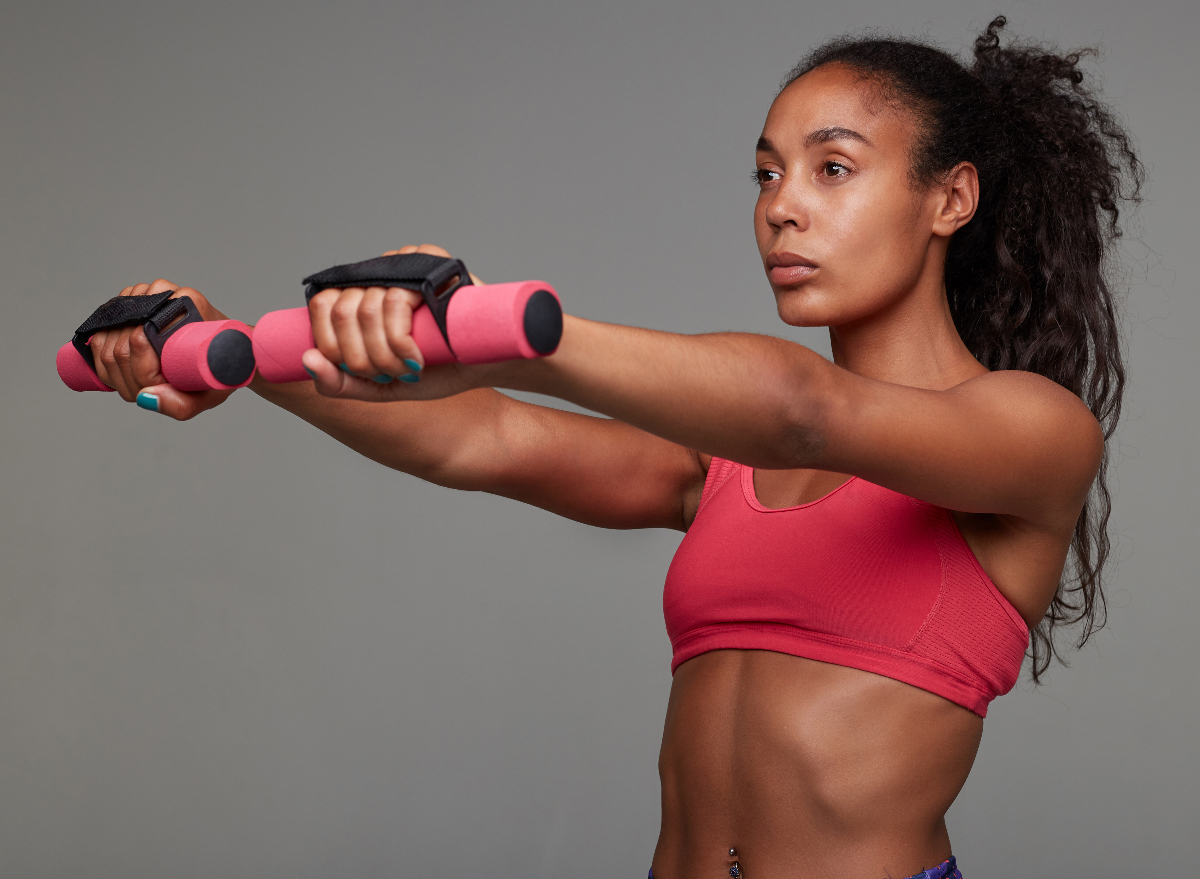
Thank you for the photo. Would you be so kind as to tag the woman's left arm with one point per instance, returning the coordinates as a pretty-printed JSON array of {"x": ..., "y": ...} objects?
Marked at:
[{"x": 1011, "y": 443}]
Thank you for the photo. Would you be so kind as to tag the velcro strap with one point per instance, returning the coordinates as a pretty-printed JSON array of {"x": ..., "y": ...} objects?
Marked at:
[
  {"x": 415, "y": 271},
  {"x": 120, "y": 311},
  {"x": 412, "y": 270}
]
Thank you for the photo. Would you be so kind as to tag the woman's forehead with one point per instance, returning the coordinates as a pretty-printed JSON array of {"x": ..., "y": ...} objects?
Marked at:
[{"x": 834, "y": 97}]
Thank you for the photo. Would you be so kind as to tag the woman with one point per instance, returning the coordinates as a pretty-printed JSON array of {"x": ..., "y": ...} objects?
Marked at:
[{"x": 870, "y": 542}]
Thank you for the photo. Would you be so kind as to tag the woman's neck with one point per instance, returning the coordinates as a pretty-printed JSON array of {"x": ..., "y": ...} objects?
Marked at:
[{"x": 913, "y": 342}]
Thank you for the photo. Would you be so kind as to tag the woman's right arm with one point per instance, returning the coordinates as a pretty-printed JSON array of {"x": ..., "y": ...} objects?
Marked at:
[{"x": 594, "y": 470}]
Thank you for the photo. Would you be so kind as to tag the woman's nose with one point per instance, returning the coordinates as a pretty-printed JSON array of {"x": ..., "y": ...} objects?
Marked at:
[{"x": 787, "y": 205}]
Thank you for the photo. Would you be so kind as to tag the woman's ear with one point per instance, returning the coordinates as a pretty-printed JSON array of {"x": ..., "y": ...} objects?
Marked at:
[{"x": 957, "y": 198}]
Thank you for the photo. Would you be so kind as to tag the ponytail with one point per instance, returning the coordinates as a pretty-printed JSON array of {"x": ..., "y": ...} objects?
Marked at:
[{"x": 1030, "y": 278}]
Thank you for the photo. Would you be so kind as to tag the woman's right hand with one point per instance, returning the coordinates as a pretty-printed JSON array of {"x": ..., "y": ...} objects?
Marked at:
[{"x": 127, "y": 362}]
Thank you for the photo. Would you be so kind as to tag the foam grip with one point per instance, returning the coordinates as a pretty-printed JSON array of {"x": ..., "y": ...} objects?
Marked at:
[
  {"x": 280, "y": 337},
  {"x": 486, "y": 324},
  {"x": 493, "y": 322},
  {"x": 209, "y": 355},
  {"x": 75, "y": 372}
]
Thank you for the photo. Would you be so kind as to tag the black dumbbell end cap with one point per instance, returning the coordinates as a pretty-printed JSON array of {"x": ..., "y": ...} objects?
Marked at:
[
  {"x": 231, "y": 357},
  {"x": 543, "y": 321}
]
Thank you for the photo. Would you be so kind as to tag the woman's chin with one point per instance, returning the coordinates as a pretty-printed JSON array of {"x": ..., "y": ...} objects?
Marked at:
[{"x": 799, "y": 308}]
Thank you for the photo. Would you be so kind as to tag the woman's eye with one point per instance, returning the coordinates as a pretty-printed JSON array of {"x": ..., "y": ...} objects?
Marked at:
[
  {"x": 764, "y": 175},
  {"x": 835, "y": 169}
]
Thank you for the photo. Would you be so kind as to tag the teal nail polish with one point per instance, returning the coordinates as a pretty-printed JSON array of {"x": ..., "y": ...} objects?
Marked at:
[
  {"x": 410, "y": 378},
  {"x": 310, "y": 372},
  {"x": 344, "y": 368},
  {"x": 383, "y": 379},
  {"x": 148, "y": 402},
  {"x": 413, "y": 365}
]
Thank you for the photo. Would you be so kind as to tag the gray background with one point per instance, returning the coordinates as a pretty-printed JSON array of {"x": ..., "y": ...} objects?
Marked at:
[{"x": 233, "y": 648}]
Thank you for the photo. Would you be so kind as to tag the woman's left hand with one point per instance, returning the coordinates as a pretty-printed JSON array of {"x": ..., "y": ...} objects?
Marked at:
[{"x": 365, "y": 350}]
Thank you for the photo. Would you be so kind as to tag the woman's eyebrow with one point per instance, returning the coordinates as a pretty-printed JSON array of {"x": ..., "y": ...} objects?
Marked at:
[
  {"x": 820, "y": 136},
  {"x": 825, "y": 135}
]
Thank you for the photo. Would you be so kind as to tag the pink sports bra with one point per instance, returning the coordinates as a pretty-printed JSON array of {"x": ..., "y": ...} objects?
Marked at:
[{"x": 864, "y": 577}]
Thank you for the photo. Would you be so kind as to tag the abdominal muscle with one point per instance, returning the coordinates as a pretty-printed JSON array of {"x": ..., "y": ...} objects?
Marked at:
[{"x": 808, "y": 770}]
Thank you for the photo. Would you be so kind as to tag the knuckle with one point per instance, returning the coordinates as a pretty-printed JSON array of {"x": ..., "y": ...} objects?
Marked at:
[
  {"x": 399, "y": 296},
  {"x": 344, "y": 310},
  {"x": 325, "y": 299},
  {"x": 371, "y": 308},
  {"x": 121, "y": 354}
]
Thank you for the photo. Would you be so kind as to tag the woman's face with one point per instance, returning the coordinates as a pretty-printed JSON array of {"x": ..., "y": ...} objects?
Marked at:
[{"x": 841, "y": 231}]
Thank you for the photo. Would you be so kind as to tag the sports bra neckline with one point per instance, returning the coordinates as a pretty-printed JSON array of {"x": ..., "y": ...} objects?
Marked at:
[{"x": 747, "y": 476}]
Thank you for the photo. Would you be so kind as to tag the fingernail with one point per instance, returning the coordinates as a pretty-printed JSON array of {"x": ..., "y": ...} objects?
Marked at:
[
  {"x": 311, "y": 374},
  {"x": 344, "y": 368},
  {"x": 413, "y": 365},
  {"x": 382, "y": 379},
  {"x": 410, "y": 378},
  {"x": 148, "y": 401}
]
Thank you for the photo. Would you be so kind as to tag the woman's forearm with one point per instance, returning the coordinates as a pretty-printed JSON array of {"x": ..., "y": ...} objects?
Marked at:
[
  {"x": 431, "y": 439},
  {"x": 755, "y": 399}
]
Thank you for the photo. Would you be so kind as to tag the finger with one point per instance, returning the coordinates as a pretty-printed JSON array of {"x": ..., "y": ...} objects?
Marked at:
[
  {"x": 320, "y": 310},
  {"x": 162, "y": 285},
  {"x": 330, "y": 381},
  {"x": 398, "y": 306},
  {"x": 104, "y": 361},
  {"x": 344, "y": 319},
  {"x": 177, "y": 404},
  {"x": 385, "y": 364},
  {"x": 144, "y": 361},
  {"x": 121, "y": 357}
]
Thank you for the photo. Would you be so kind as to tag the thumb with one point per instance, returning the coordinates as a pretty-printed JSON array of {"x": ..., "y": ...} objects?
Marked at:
[{"x": 177, "y": 404}]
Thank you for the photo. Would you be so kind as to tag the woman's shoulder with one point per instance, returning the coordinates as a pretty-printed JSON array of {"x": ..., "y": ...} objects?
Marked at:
[
  {"x": 1039, "y": 409},
  {"x": 1037, "y": 398}
]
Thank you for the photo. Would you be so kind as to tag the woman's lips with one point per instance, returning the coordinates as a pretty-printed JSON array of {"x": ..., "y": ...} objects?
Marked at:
[
  {"x": 787, "y": 276},
  {"x": 786, "y": 269}
]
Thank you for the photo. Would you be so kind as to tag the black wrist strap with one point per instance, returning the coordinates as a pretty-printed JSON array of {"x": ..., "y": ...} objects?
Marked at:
[
  {"x": 414, "y": 271},
  {"x": 155, "y": 312}
]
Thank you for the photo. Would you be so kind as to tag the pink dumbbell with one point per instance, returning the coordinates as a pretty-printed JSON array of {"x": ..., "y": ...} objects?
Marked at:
[
  {"x": 197, "y": 355},
  {"x": 487, "y": 323}
]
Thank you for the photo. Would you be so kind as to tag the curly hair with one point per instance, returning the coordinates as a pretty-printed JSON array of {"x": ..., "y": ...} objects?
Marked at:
[{"x": 1030, "y": 278}]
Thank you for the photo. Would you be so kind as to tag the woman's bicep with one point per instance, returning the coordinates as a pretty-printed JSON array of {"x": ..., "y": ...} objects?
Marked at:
[{"x": 1011, "y": 443}]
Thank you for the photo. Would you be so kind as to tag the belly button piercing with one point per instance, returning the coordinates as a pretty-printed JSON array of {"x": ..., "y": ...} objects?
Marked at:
[{"x": 735, "y": 871}]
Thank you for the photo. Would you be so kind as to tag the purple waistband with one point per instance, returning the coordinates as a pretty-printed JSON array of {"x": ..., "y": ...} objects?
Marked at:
[{"x": 945, "y": 870}]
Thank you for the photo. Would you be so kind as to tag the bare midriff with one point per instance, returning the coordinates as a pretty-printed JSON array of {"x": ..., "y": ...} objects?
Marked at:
[{"x": 805, "y": 770}]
